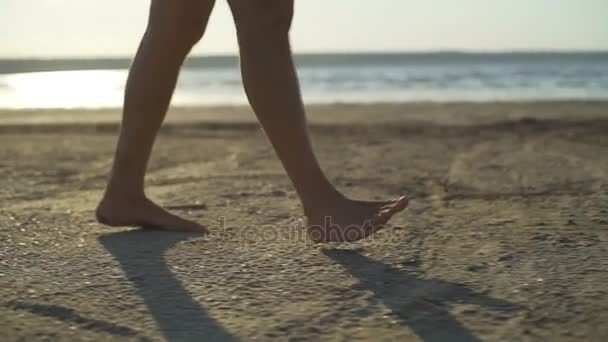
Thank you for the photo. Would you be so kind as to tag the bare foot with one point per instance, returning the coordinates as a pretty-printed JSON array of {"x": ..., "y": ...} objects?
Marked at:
[
  {"x": 142, "y": 213},
  {"x": 348, "y": 220}
]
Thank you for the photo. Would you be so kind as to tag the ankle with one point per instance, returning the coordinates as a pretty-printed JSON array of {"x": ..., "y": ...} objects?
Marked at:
[
  {"x": 311, "y": 203},
  {"x": 124, "y": 194}
]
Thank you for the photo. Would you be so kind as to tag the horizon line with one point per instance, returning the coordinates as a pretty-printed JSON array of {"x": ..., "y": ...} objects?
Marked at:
[{"x": 331, "y": 53}]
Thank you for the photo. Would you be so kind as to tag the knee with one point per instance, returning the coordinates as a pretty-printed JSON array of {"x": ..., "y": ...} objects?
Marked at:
[
  {"x": 177, "y": 33},
  {"x": 265, "y": 18}
]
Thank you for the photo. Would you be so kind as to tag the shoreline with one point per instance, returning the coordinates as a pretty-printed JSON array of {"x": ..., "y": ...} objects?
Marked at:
[{"x": 438, "y": 113}]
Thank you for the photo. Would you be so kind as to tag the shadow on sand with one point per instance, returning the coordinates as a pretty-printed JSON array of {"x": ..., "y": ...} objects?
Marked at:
[
  {"x": 419, "y": 304},
  {"x": 141, "y": 256}
]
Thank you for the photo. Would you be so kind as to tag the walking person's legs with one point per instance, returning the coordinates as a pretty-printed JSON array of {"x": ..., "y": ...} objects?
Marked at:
[
  {"x": 272, "y": 87},
  {"x": 174, "y": 26}
]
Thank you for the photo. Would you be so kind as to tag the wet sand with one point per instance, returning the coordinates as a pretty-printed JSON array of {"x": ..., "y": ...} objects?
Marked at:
[{"x": 506, "y": 237}]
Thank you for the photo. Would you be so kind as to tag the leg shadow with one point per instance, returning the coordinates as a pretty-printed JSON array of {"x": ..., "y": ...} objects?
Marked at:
[
  {"x": 141, "y": 256},
  {"x": 420, "y": 304}
]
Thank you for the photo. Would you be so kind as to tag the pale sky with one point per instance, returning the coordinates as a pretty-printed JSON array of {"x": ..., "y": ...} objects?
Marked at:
[{"x": 89, "y": 28}]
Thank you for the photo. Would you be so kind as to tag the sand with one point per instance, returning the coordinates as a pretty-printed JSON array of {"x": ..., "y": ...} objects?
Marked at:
[{"x": 506, "y": 237}]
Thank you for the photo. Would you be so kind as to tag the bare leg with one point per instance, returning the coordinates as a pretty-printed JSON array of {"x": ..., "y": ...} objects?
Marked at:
[
  {"x": 174, "y": 26},
  {"x": 272, "y": 87}
]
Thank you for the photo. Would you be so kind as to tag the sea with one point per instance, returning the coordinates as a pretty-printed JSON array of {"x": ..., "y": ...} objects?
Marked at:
[{"x": 324, "y": 78}]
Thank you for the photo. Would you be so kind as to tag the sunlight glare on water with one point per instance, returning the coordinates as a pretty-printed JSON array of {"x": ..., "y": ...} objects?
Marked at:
[{"x": 63, "y": 89}]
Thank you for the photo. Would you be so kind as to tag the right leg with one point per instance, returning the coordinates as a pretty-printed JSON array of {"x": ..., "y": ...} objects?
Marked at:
[
  {"x": 174, "y": 26},
  {"x": 272, "y": 86}
]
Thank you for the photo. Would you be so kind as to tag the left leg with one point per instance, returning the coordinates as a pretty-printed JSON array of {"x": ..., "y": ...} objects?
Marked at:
[{"x": 174, "y": 26}]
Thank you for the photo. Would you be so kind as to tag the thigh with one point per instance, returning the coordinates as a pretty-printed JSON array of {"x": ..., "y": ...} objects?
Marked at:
[
  {"x": 262, "y": 12},
  {"x": 185, "y": 12}
]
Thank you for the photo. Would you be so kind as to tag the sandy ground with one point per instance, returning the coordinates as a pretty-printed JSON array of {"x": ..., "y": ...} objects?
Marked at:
[{"x": 506, "y": 238}]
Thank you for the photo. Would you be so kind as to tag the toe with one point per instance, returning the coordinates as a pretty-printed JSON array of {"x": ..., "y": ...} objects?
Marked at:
[
  {"x": 177, "y": 227},
  {"x": 388, "y": 211},
  {"x": 395, "y": 206},
  {"x": 195, "y": 227},
  {"x": 170, "y": 222},
  {"x": 401, "y": 204},
  {"x": 189, "y": 226}
]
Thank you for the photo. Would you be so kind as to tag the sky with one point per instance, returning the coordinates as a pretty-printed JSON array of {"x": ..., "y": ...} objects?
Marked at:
[{"x": 92, "y": 28}]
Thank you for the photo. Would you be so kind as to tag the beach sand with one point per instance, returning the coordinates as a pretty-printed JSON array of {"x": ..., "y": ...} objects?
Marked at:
[{"x": 506, "y": 237}]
